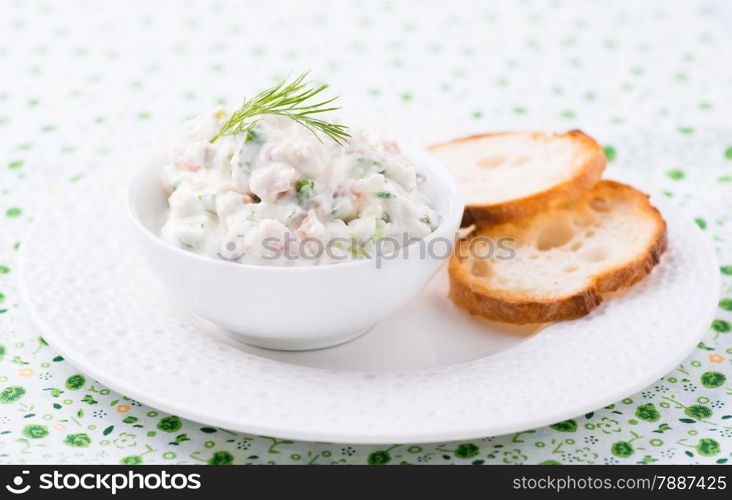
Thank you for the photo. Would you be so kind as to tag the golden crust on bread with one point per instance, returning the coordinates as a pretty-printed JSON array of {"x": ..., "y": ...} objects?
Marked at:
[{"x": 625, "y": 210}]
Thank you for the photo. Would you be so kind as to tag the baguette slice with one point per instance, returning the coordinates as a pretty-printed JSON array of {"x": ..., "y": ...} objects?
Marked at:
[
  {"x": 565, "y": 259},
  {"x": 510, "y": 175}
]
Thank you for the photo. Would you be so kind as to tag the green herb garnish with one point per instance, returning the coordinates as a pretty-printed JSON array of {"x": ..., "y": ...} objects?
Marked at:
[
  {"x": 246, "y": 165},
  {"x": 209, "y": 203},
  {"x": 353, "y": 246},
  {"x": 379, "y": 232},
  {"x": 286, "y": 99},
  {"x": 252, "y": 137},
  {"x": 304, "y": 189},
  {"x": 366, "y": 161},
  {"x": 384, "y": 194}
]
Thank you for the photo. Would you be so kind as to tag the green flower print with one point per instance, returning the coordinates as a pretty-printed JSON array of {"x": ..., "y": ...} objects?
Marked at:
[
  {"x": 170, "y": 424},
  {"x": 550, "y": 462},
  {"x": 221, "y": 458},
  {"x": 647, "y": 412},
  {"x": 125, "y": 440},
  {"x": 566, "y": 426},
  {"x": 131, "y": 460},
  {"x": 75, "y": 382},
  {"x": 13, "y": 212},
  {"x": 466, "y": 450},
  {"x": 610, "y": 153},
  {"x": 585, "y": 455},
  {"x": 713, "y": 380},
  {"x": 698, "y": 412},
  {"x": 514, "y": 457},
  {"x": 379, "y": 457},
  {"x": 608, "y": 425},
  {"x": 721, "y": 326},
  {"x": 622, "y": 449},
  {"x": 707, "y": 447},
  {"x": 11, "y": 394},
  {"x": 35, "y": 431},
  {"x": 78, "y": 440}
]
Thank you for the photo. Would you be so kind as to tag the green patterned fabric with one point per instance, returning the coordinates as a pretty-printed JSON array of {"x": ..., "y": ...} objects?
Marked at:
[{"x": 89, "y": 86}]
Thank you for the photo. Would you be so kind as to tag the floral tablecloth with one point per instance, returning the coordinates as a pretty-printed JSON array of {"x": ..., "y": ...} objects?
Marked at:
[{"x": 86, "y": 83}]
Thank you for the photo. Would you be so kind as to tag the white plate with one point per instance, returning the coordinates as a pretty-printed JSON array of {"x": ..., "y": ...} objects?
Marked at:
[{"x": 429, "y": 373}]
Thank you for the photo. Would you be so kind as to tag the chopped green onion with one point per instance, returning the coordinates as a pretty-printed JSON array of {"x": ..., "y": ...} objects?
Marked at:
[{"x": 304, "y": 189}]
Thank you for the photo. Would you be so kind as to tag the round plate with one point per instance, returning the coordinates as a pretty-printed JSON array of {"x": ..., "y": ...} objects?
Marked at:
[{"x": 429, "y": 373}]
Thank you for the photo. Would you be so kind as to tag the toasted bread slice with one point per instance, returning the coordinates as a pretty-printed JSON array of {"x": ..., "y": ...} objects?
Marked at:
[
  {"x": 510, "y": 175},
  {"x": 564, "y": 259}
]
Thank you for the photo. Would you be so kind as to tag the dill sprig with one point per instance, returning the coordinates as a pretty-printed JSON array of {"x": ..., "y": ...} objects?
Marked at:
[{"x": 286, "y": 99}]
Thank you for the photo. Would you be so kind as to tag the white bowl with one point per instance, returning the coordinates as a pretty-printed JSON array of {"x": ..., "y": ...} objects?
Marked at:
[{"x": 295, "y": 308}]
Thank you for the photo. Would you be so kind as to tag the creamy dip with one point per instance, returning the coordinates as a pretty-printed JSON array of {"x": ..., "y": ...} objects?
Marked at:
[{"x": 279, "y": 196}]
